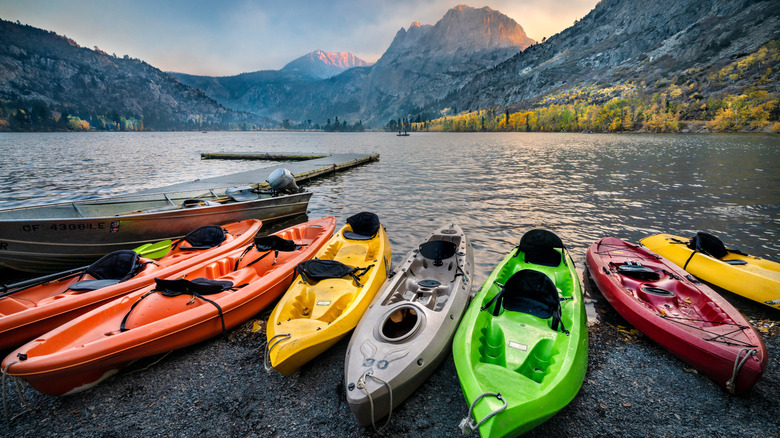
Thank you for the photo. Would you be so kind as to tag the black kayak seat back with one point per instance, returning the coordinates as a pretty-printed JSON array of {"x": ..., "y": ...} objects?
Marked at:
[
  {"x": 118, "y": 265},
  {"x": 438, "y": 250},
  {"x": 708, "y": 244},
  {"x": 199, "y": 286},
  {"x": 275, "y": 243},
  {"x": 205, "y": 237},
  {"x": 532, "y": 292},
  {"x": 539, "y": 247},
  {"x": 110, "y": 269},
  {"x": 315, "y": 270},
  {"x": 364, "y": 226}
]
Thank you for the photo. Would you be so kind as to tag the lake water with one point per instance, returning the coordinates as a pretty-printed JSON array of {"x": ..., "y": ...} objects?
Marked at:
[{"x": 495, "y": 185}]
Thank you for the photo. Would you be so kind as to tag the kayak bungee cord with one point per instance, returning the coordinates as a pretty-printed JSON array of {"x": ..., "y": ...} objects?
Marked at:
[
  {"x": 361, "y": 384},
  {"x": 467, "y": 425},
  {"x": 24, "y": 401},
  {"x": 268, "y": 346},
  {"x": 716, "y": 336},
  {"x": 732, "y": 382}
]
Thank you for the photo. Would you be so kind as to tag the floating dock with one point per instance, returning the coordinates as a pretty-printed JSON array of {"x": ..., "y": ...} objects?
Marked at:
[
  {"x": 265, "y": 157},
  {"x": 303, "y": 171}
]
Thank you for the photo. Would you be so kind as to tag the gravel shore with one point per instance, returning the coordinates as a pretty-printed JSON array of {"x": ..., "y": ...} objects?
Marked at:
[{"x": 219, "y": 388}]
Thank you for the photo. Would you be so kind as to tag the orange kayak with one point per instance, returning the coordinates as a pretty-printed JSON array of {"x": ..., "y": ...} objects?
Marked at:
[
  {"x": 48, "y": 302},
  {"x": 194, "y": 305}
]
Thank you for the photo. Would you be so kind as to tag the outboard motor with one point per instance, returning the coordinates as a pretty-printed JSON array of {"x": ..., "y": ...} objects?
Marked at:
[{"x": 282, "y": 180}]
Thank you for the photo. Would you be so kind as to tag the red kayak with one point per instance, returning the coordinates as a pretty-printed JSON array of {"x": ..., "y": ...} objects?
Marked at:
[
  {"x": 678, "y": 312},
  {"x": 194, "y": 305}
]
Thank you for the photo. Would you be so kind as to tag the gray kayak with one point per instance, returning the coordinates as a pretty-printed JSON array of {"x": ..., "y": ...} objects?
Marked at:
[
  {"x": 55, "y": 237},
  {"x": 407, "y": 331}
]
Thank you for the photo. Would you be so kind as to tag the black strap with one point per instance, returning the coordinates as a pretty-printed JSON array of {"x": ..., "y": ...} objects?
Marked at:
[
  {"x": 354, "y": 274},
  {"x": 170, "y": 293},
  {"x": 276, "y": 255}
]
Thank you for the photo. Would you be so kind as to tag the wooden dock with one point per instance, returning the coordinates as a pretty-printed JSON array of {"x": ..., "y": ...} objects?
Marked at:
[
  {"x": 265, "y": 157},
  {"x": 303, "y": 171}
]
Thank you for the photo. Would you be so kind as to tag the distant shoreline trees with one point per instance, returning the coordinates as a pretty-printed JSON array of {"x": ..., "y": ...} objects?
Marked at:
[{"x": 695, "y": 101}]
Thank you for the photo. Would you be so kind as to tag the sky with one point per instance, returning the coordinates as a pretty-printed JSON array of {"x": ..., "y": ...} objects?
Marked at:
[{"x": 228, "y": 37}]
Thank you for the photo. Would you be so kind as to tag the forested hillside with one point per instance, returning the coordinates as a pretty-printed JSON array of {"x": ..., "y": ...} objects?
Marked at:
[
  {"x": 742, "y": 96},
  {"x": 661, "y": 66},
  {"x": 48, "y": 82}
]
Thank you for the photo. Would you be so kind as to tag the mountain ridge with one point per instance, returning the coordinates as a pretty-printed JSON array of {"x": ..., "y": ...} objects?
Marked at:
[{"x": 46, "y": 78}]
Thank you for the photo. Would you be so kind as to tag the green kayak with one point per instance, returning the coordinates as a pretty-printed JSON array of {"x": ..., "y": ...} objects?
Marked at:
[{"x": 521, "y": 350}]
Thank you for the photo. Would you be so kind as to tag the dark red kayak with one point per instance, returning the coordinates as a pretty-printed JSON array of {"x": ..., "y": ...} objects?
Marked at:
[{"x": 683, "y": 315}]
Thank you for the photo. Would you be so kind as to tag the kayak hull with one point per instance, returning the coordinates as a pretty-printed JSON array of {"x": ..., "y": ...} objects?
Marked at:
[
  {"x": 310, "y": 318},
  {"x": 536, "y": 370},
  {"x": 755, "y": 278},
  {"x": 35, "y": 310},
  {"x": 684, "y": 316},
  {"x": 80, "y": 353},
  {"x": 407, "y": 331}
]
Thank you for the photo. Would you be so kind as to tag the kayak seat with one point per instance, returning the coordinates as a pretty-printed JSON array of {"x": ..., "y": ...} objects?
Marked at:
[
  {"x": 531, "y": 292},
  {"x": 197, "y": 288},
  {"x": 438, "y": 250},
  {"x": 708, "y": 244},
  {"x": 112, "y": 268},
  {"x": 314, "y": 270},
  {"x": 539, "y": 247},
  {"x": 205, "y": 237},
  {"x": 364, "y": 225}
]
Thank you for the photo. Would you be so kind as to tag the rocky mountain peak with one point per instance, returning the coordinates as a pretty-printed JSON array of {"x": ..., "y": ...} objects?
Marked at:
[
  {"x": 463, "y": 29},
  {"x": 322, "y": 64}
]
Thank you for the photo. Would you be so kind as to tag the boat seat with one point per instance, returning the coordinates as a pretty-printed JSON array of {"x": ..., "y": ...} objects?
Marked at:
[
  {"x": 539, "y": 247},
  {"x": 438, "y": 250},
  {"x": 364, "y": 225},
  {"x": 112, "y": 268},
  {"x": 205, "y": 237},
  {"x": 708, "y": 244},
  {"x": 314, "y": 270},
  {"x": 87, "y": 285},
  {"x": 531, "y": 292}
]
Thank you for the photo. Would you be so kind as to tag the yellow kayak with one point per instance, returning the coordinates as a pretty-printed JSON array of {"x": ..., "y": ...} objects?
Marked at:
[
  {"x": 329, "y": 295},
  {"x": 707, "y": 258}
]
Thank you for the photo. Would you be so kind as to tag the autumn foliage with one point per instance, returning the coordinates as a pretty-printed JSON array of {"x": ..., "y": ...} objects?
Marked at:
[{"x": 696, "y": 100}]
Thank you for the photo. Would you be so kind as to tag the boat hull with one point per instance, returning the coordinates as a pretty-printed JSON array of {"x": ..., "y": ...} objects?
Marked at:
[
  {"x": 756, "y": 278},
  {"x": 310, "y": 318},
  {"x": 536, "y": 370},
  {"x": 80, "y": 353},
  {"x": 35, "y": 310},
  {"x": 684, "y": 316},
  {"x": 45, "y": 239},
  {"x": 405, "y": 352}
]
